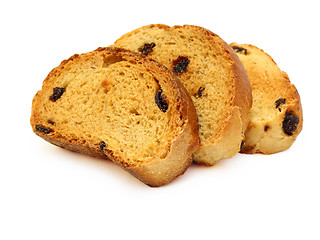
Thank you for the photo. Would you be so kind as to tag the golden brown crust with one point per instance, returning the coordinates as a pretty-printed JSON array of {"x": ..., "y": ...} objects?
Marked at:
[
  {"x": 232, "y": 133},
  {"x": 154, "y": 172},
  {"x": 265, "y": 132},
  {"x": 179, "y": 156},
  {"x": 243, "y": 96}
]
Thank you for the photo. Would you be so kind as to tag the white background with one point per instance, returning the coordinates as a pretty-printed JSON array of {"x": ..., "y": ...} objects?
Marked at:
[{"x": 50, "y": 193}]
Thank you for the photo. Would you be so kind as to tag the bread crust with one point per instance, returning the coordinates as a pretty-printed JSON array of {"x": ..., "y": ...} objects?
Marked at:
[
  {"x": 231, "y": 133},
  {"x": 159, "y": 171},
  {"x": 267, "y": 136},
  {"x": 154, "y": 172}
]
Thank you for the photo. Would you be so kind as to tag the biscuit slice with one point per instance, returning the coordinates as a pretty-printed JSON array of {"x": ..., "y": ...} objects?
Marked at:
[
  {"x": 116, "y": 104},
  {"x": 213, "y": 75},
  {"x": 276, "y": 115}
]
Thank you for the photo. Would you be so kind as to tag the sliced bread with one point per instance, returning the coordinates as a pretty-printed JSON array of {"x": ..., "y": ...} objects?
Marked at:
[
  {"x": 117, "y": 104},
  {"x": 276, "y": 115},
  {"x": 213, "y": 75}
]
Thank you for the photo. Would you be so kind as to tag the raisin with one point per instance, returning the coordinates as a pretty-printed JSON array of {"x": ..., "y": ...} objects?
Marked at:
[
  {"x": 240, "y": 50},
  {"x": 147, "y": 48},
  {"x": 180, "y": 64},
  {"x": 43, "y": 129},
  {"x": 51, "y": 122},
  {"x": 102, "y": 145},
  {"x": 241, "y": 145},
  {"x": 290, "y": 123},
  {"x": 201, "y": 89},
  {"x": 279, "y": 102},
  {"x": 266, "y": 128},
  {"x": 57, "y": 93},
  {"x": 160, "y": 101}
]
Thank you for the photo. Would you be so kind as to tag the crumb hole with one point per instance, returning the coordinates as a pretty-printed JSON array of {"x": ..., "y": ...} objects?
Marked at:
[
  {"x": 134, "y": 111},
  {"x": 109, "y": 60}
]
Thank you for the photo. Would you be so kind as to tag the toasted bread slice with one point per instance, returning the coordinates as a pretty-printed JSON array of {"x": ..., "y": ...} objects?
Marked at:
[
  {"x": 117, "y": 104},
  {"x": 276, "y": 115},
  {"x": 213, "y": 75}
]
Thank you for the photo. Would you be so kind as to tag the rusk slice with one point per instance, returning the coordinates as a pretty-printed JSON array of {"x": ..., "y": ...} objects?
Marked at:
[
  {"x": 213, "y": 75},
  {"x": 117, "y": 104},
  {"x": 276, "y": 115}
]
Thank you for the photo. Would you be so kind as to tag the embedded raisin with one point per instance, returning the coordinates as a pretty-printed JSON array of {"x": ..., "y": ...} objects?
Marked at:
[
  {"x": 147, "y": 48},
  {"x": 51, "y": 122},
  {"x": 57, "y": 93},
  {"x": 266, "y": 128},
  {"x": 180, "y": 64},
  {"x": 43, "y": 129},
  {"x": 201, "y": 89},
  {"x": 160, "y": 101},
  {"x": 102, "y": 145},
  {"x": 290, "y": 123},
  {"x": 241, "y": 145},
  {"x": 240, "y": 50},
  {"x": 279, "y": 102}
]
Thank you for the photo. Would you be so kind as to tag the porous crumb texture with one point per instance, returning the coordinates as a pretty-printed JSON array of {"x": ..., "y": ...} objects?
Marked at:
[
  {"x": 276, "y": 114},
  {"x": 105, "y": 102},
  {"x": 210, "y": 72}
]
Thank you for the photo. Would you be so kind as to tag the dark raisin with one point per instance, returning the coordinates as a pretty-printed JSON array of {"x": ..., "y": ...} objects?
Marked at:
[
  {"x": 266, "y": 128},
  {"x": 241, "y": 145},
  {"x": 279, "y": 102},
  {"x": 180, "y": 64},
  {"x": 201, "y": 89},
  {"x": 102, "y": 145},
  {"x": 43, "y": 129},
  {"x": 160, "y": 101},
  {"x": 240, "y": 50},
  {"x": 51, "y": 122},
  {"x": 290, "y": 123},
  {"x": 147, "y": 48},
  {"x": 57, "y": 92}
]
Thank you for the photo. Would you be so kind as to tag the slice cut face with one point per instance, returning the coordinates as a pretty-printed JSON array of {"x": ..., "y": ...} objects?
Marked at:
[
  {"x": 213, "y": 75},
  {"x": 118, "y": 104},
  {"x": 276, "y": 115}
]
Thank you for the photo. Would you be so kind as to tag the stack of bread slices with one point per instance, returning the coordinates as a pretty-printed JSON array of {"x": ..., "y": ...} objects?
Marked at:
[{"x": 162, "y": 97}]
